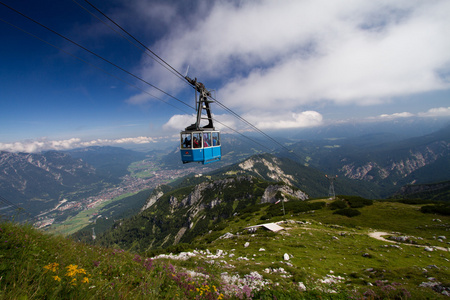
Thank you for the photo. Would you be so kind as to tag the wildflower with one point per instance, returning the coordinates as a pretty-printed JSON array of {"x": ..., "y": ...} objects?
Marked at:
[
  {"x": 81, "y": 271},
  {"x": 57, "y": 278},
  {"x": 85, "y": 280},
  {"x": 73, "y": 270},
  {"x": 52, "y": 267},
  {"x": 74, "y": 281}
]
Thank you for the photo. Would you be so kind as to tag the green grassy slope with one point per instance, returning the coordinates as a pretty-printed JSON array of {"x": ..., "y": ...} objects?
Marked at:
[{"x": 330, "y": 256}]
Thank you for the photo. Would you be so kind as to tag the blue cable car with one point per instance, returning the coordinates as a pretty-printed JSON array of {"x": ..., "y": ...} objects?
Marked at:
[{"x": 200, "y": 144}]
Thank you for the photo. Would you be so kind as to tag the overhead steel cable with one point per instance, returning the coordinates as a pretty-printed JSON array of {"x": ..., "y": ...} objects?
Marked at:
[
  {"x": 158, "y": 59},
  {"x": 95, "y": 54},
  {"x": 95, "y": 66},
  {"x": 162, "y": 61},
  {"x": 130, "y": 35},
  {"x": 18, "y": 208},
  {"x": 251, "y": 125},
  {"x": 132, "y": 85},
  {"x": 122, "y": 69}
]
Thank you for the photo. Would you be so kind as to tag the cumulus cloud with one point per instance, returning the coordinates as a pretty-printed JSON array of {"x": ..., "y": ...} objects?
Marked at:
[
  {"x": 266, "y": 121},
  {"x": 33, "y": 146},
  {"x": 179, "y": 122},
  {"x": 397, "y": 115},
  {"x": 433, "y": 112},
  {"x": 288, "y": 120},
  {"x": 285, "y": 56},
  {"x": 436, "y": 112}
]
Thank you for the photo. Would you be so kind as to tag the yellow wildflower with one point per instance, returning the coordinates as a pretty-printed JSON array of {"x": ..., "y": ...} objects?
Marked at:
[
  {"x": 85, "y": 280},
  {"x": 51, "y": 267},
  {"x": 81, "y": 271},
  {"x": 74, "y": 281},
  {"x": 57, "y": 278},
  {"x": 72, "y": 270}
]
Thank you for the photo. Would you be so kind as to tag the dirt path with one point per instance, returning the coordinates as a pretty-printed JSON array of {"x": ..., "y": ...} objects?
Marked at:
[{"x": 378, "y": 235}]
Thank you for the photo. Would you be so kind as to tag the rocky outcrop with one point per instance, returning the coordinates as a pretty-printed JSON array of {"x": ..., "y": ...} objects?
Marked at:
[
  {"x": 157, "y": 193},
  {"x": 273, "y": 193},
  {"x": 268, "y": 169}
]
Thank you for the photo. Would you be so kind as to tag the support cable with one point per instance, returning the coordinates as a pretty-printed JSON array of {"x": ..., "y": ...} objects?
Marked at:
[
  {"x": 18, "y": 208},
  {"x": 178, "y": 74},
  {"x": 95, "y": 54},
  {"x": 132, "y": 85},
  {"x": 135, "y": 76},
  {"x": 98, "y": 68},
  {"x": 121, "y": 28},
  {"x": 159, "y": 60}
]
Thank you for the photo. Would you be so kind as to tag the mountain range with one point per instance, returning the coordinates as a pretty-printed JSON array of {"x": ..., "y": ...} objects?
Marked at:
[
  {"x": 37, "y": 181},
  {"x": 377, "y": 159},
  {"x": 373, "y": 166}
]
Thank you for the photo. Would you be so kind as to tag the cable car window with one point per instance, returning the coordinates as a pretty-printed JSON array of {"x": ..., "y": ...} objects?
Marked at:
[
  {"x": 197, "y": 140},
  {"x": 216, "y": 139},
  {"x": 186, "y": 140},
  {"x": 207, "y": 139}
]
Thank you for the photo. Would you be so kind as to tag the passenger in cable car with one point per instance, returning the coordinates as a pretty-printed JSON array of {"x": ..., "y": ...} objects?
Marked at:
[
  {"x": 187, "y": 142},
  {"x": 196, "y": 144},
  {"x": 207, "y": 140},
  {"x": 216, "y": 141}
]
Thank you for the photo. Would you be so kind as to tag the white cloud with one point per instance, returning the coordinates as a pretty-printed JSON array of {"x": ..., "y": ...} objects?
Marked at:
[
  {"x": 32, "y": 146},
  {"x": 178, "y": 123},
  {"x": 397, "y": 115},
  {"x": 436, "y": 112},
  {"x": 287, "y": 120},
  {"x": 285, "y": 56},
  {"x": 263, "y": 121},
  {"x": 431, "y": 113}
]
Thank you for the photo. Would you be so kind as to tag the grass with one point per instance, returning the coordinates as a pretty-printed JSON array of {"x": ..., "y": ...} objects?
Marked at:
[
  {"x": 35, "y": 265},
  {"x": 331, "y": 256},
  {"x": 340, "y": 244}
]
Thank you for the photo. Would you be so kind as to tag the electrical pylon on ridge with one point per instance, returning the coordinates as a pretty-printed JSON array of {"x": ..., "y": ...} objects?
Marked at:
[{"x": 331, "y": 192}]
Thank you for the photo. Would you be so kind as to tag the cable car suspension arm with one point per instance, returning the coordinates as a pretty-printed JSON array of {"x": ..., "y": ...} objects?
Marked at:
[{"x": 203, "y": 104}]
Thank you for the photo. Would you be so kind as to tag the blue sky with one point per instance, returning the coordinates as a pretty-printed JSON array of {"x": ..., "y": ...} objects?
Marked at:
[{"x": 279, "y": 64}]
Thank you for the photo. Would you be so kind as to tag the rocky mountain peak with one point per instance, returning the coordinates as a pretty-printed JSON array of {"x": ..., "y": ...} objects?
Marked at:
[{"x": 267, "y": 166}]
